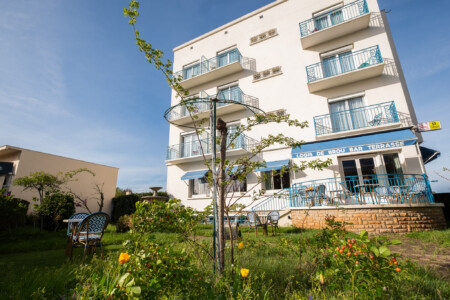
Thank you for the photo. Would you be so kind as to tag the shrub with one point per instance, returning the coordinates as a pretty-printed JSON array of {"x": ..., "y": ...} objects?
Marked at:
[
  {"x": 361, "y": 265},
  {"x": 124, "y": 223},
  {"x": 13, "y": 211},
  {"x": 55, "y": 208},
  {"x": 123, "y": 205}
]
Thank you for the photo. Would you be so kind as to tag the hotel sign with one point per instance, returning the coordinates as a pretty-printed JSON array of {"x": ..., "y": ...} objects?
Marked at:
[
  {"x": 428, "y": 126},
  {"x": 356, "y": 149}
]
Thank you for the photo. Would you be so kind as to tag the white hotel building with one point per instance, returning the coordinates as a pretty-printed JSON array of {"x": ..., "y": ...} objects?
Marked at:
[{"x": 331, "y": 63}]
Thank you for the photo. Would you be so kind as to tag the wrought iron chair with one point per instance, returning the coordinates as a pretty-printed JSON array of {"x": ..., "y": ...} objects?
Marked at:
[
  {"x": 384, "y": 193},
  {"x": 72, "y": 217},
  {"x": 90, "y": 232},
  {"x": 255, "y": 221},
  {"x": 272, "y": 219},
  {"x": 376, "y": 120},
  {"x": 417, "y": 192}
]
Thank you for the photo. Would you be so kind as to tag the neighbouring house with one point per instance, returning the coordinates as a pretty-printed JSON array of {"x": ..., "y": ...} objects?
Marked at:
[
  {"x": 17, "y": 162},
  {"x": 333, "y": 64}
]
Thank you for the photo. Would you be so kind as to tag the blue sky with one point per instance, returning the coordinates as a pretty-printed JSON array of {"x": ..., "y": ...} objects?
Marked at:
[{"x": 73, "y": 83}]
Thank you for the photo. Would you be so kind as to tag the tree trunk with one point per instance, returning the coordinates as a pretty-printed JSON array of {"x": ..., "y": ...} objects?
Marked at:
[{"x": 222, "y": 127}]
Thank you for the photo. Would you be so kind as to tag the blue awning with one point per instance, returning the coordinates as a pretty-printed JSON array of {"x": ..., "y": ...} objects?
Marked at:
[
  {"x": 274, "y": 165},
  {"x": 194, "y": 174},
  {"x": 428, "y": 155},
  {"x": 374, "y": 141}
]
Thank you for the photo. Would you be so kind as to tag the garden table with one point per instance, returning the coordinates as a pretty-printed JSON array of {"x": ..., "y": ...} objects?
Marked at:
[
  {"x": 74, "y": 223},
  {"x": 371, "y": 187}
]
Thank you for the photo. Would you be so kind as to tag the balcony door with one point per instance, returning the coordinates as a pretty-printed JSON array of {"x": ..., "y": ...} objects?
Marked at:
[
  {"x": 230, "y": 93},
  {"x": 359, "y": 172},
  {"x": 191, "y": 71},
  {"x": 190, "y": 145},
  {"x": 347, "y": 115},
  {"x": 338, "y": 64},
  {"x": 329, "y": 19},
  {"x": 227, "y": 57}
]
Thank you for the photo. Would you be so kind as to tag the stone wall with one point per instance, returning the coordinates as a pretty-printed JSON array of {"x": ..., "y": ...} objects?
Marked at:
[{"x": 398, "y": 218}]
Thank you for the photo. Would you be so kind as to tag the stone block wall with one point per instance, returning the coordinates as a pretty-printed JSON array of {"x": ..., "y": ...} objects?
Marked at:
[{"x": 376, "y": 219}]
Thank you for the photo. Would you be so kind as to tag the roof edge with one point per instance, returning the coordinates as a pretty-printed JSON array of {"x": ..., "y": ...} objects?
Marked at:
[
  {"x": 6, "y": 147},
  {"x": 229, "y": 24}
]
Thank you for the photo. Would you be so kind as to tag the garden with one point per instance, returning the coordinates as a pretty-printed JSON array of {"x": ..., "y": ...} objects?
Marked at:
[{"x": 167, "y": 254}]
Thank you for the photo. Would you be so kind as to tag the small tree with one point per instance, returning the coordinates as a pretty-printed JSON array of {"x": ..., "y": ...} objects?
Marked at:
[
  {"x": 45, "y": 183},
  {"x": 226, "y": 171}
]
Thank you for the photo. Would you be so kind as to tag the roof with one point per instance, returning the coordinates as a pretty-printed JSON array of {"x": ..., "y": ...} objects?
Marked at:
[
  {"x": 229, "y": 24},
  {"x": 13, "y": 148}
]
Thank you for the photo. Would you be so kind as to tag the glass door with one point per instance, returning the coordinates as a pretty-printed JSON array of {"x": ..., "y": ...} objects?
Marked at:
[
  {"x": 360, "y": 174},
  {"x": 190, "y": 145},
  {"x": 393, "y": 169},
  {"x": 228, "y": 57}
]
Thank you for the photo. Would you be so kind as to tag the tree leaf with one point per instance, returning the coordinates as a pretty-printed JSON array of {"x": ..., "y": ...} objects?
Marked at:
[{"x": 384, "y": 251}]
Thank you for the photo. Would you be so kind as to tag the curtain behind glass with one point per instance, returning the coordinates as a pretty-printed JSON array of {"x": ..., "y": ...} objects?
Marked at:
[
  {"x": 340, "y": 120},
  {"x": 347, "y": 63},
  {"x": 337, "y": 17},
  {"x": 357, "y": 113},
  {"x": 330, "y": 67}
]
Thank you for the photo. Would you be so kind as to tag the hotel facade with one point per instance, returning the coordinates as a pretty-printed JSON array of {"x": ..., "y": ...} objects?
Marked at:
[{"x": 331, "y": 63}]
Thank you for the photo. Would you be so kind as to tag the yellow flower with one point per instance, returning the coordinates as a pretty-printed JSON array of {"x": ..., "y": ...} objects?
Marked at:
[
  {"x": 124, "y": 257},
  {"x": 241, "y": 246},
  {"x": 244, "y": 272}
]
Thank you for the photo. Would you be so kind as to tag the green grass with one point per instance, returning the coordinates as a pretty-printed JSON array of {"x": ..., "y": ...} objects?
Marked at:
[
  {"x": 34, "y": 265},
  {"x": 438, "y": 237}
]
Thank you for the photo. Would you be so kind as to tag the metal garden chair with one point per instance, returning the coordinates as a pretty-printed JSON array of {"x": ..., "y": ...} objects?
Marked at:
[
  {"x": 273, "y": 218},
  {"x": 75, "y": 216},
  {"x": 90, "y": 232},
  {"x": 255, "y": 221}
]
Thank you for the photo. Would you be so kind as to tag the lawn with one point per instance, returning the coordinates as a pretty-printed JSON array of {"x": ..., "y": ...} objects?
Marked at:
[{"x": 34, "y": 265}]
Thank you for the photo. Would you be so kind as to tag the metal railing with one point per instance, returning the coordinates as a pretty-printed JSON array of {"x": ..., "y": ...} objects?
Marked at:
[
  {"x": 357, "y": 118},
  {"x": 360, "y": 190},
  {"x": 278, "y": 201},
  {"x": 334, "y": 17},
  {"x": 206, "y": 65},
  {"x": 344, "y": 63},
  {"x": 191, "y": 149},
  {"x": 182, "y": 111}
]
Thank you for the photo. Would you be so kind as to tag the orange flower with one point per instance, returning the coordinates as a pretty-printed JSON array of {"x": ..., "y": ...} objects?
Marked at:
[
  {"x": 241, "y": 245},
  {"x": 398, "y": 269},
  {"x": 244, "y": 272},
  {"x": 124, "y": 257}
]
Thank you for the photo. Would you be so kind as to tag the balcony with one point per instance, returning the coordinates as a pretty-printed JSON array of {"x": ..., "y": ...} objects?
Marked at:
[
  {"x": 181, "y": 115},
  {"x": 214, "y": 68},
  {"x": 361, "y": 190},
  {"x": 192, "y": 151},
  {"x": 335, "y": 23},
  {"x": 345, "y": 68},
  {"x": 358, "y": 118}
]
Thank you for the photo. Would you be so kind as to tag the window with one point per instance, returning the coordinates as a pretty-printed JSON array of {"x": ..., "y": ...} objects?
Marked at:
[
  {"x": 348, "y": 115},
  {"x": 191, "y": 71},
  {"x": 276, "y": 179},
  {"x": 359, "y": 172},
  {"x": 328, "y": 18},
  {"x": 190, "y": 145},
  {"x": 198, "y": 186},
  {"x": 338, "y": 64},
  {"x": 232, "y": 92},
  {"x": 237, "y": 186},
  {"x": 393, "y": 168},
  {"x": 228, "y": 57}
]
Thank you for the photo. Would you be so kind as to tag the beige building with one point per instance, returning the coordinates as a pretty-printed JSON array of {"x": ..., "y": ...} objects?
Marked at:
[
  {"x": 18, "y": 162},
  {"x": 331, "y": 63}
]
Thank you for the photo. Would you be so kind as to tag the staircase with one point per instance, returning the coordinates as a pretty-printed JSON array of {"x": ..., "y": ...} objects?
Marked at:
[{"x": 279, "y": 202}]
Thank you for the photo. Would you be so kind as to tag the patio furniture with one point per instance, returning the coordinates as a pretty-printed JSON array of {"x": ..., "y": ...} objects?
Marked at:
[
  {"x": 255, "y": 221},
  {"x": 384, "y": 193},
  {"x": 74, "y": 217},
  {"x": 417, "y": 191},
  {"x": 272, "y": 219},
  {"x": 90, "y": 232},
  {"x": 376, "y": 120}
]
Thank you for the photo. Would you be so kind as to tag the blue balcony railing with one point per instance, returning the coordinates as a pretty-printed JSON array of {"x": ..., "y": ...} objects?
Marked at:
[
  {"x": 334, "y": 17},
  {"x": 207, "y": 65},
  {"x": 191, "y": 149},
  {"x": 360, "y": 190},
  {"x": 357, "y": 118},
  {"x": 344, "y": 63},
  {"x": 234, "y": 94}
]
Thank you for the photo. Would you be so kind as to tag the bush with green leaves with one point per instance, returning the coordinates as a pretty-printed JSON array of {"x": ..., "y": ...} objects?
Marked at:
[
  {"x": 123, "y": 205},
  {"x": 13, "y": 211},
  {"x": 124, "y": 223},
  {"x": 363, "y": 266},
  {"x": 55, "y": 208}
]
